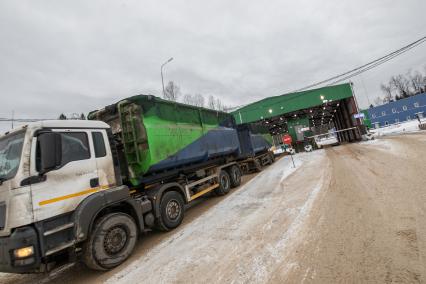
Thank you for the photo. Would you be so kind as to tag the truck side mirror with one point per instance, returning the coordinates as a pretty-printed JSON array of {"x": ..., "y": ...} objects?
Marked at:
[{"x": 50, "y": 151}]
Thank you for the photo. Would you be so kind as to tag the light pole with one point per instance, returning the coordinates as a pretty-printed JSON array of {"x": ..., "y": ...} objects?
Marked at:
[{"x": 162, "y": 79}]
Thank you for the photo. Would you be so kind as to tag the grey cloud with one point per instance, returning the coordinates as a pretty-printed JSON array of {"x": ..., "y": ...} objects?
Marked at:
[{"x": 76, "y": 56}]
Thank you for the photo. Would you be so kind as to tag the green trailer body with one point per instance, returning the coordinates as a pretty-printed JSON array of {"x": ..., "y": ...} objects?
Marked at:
[{"x": 153, "y": 131}]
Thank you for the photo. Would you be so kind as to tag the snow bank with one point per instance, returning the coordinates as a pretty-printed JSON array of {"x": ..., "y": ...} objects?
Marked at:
[
  {"x": 399, "y": 128},
  {"x": 226, "y": 229}
]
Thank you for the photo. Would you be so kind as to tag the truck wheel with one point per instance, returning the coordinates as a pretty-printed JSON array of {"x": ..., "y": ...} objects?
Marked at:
[
  {"x": 171, "y": 211},
  {"x": 272, "y": 157},
  {"x": 111, "y": 241},
  {"x": 235, "y": 175},
  {"x": 257, "y": 165},
  {"x": 224, "y": 183}
]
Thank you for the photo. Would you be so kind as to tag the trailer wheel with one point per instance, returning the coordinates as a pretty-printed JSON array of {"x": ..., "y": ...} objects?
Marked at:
[
  {"x": 235, "y": 175},
  {"x": 111, "y": 241},
  {"x": 224, "y": 183},
  {"x": 257, "y": 165},
  {"x": 272, "y": 157},
  {"x": 171, "y": 211}
]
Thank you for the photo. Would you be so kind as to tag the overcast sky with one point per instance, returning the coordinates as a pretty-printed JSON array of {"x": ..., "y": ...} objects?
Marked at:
[{"x": 76, "y": 56}]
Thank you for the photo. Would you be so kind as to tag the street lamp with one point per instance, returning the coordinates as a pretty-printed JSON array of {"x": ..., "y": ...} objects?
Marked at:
[{"x": 162, "y": 79}]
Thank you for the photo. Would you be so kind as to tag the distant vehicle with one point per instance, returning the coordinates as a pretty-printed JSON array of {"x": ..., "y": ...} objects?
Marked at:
[
  {"x": 308, "y": 148},
  {"x": 368, "y": 136},
  {"x": 327, "y": 139},
  {"x": 284, "y": 149}
]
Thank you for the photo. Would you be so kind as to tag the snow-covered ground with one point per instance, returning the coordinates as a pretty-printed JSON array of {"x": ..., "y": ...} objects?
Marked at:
[
  {"x": 398, "y": 128},
  {"x": 240, "y": 237}
]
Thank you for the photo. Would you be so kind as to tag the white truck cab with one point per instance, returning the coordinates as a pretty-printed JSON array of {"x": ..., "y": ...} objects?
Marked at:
[
  {"x": 55, "y": 176},
  {"x": 62, "y": 196}
]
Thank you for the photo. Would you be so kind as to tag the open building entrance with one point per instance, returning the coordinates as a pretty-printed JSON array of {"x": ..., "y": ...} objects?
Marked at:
[{"x": 312, "y": 115}]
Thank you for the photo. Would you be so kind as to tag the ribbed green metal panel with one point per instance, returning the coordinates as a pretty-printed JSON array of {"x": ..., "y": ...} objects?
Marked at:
[
  {"x": 287, "y": 103},
  {"x": 153, "y": 129}
]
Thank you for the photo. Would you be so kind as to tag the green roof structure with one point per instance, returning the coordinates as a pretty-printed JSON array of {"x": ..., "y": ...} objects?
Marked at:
[{"x": 288, "y": 103}]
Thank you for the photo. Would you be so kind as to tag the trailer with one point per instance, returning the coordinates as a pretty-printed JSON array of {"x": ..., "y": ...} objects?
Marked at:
[
  {"x": 86, "y": 190},
  {"x": 254, "y": 148}
]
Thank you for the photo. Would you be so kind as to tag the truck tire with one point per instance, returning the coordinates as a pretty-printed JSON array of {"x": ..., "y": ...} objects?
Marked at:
[
  {"x": 224, "y": 183},
  {"x": 171, "y": 211},
  {"x": 111, "y": 241},
  {"x": 235, "y": 176},
  {"x": 272, "y": 157},
  {"x": 257, "y": 166}
]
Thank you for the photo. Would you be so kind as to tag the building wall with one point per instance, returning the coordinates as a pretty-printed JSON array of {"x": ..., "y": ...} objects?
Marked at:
[{"x": 398, "y": 111}]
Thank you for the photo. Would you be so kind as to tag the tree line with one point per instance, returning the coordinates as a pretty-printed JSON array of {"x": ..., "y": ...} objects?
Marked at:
[
  {"x": 402, "y": 86},
  {"x": 172, "y": 93}
]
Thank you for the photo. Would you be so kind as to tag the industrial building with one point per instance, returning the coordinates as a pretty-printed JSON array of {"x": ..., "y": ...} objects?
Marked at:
[
  {"x": 398, "y": 111},
  {"x": 307, "y": 113}
]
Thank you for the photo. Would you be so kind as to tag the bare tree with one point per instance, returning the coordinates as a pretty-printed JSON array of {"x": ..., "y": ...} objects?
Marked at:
[
  {"x": 195, "y": 100},
  {"x": 216, "y": 104},
  {"x": 417, "y": 81},
  {"x": 188, "y": 99},
  {"x": 62, "y": 117},
  {"x": 219, "y": 105},
  {"x": 171, "y": 92},
  {"x": 198, "y": 100},
  {"x": 378, "y": 101},
  {"x": 211, "y": 102},
  {"x": 401, "y": 84},
  {"x": 387, "y": 89}
]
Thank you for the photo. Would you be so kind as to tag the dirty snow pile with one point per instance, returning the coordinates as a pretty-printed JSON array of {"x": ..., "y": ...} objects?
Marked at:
[
  {"x": 232, "y": 234},
  {"x": 404, "y": 127}
]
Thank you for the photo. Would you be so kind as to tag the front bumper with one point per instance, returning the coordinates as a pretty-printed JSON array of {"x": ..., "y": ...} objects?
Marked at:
[{"x": 21, "y": 237}]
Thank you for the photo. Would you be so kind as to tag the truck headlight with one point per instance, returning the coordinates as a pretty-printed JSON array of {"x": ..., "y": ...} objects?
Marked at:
[{"x": 23, "y": 252}]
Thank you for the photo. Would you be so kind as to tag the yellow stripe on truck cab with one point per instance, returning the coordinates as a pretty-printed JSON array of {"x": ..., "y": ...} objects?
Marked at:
[{"x": 84, "y": 192}]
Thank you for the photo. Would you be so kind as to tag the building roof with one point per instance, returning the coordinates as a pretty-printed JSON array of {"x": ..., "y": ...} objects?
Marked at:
[{"x": 291, "y": 102}]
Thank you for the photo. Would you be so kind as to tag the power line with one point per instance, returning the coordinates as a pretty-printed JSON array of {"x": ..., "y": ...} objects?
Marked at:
[{"x": 363, "y": 68}]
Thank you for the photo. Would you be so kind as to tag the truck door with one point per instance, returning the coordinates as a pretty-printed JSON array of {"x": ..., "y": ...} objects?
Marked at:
[
  {"x": 103, "y": 157},
  {"x": 75, "y": 179}
]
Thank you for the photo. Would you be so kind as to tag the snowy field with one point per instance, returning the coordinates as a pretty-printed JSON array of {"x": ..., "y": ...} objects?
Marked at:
[{"x": 398, "y": 128}]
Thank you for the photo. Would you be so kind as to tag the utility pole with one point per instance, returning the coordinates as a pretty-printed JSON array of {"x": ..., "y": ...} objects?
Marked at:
[
  {"x": 13, "y": 114},
  {"x": 162, "y": 78}
]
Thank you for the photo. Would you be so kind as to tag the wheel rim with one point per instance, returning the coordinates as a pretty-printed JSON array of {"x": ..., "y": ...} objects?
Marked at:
[
  {"x": 115, "y": 240},
  {"x": 173, "y": 209},
  {"x": 257, "y": 164},
  {"x": 236, "y": 175},
  {"x": 224, "y": 182}
]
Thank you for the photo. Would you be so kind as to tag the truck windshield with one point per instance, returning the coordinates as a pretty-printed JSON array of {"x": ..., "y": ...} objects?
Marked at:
[{"x": 10, "y": 154}]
